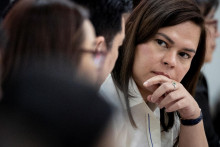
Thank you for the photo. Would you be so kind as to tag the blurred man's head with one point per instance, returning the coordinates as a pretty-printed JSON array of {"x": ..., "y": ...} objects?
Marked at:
[{"x": 108, "y": 18}]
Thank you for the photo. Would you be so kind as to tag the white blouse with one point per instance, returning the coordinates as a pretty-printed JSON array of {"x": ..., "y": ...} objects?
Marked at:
[{"x": 148, "y": 132}]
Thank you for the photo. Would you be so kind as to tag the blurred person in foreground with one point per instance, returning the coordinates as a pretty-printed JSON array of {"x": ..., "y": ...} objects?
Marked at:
[
  {"x": 49, "y": 43},
  {"x": 3, "y": 5},
  {"x": 76, "y": 41},
  {"x": 208, "y": 9}
]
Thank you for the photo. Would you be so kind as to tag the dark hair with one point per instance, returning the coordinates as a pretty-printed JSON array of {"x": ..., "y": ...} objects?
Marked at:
[
  {"x": 207, "y": 5},
  {"x": 3, "y": 6},
  {"x": 50, "y": 107},
  {"x": 135, "y": 3},
  {"x": 3, "y": 38},
  {"x": 8, "y": 7},
  {"x": 106, "y": 16},
  {"x": 145, "y": 21},
  {"x": 42, "y": 30}
]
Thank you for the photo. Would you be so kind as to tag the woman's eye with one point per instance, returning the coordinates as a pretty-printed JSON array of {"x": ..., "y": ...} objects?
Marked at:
[
  {"x": 162, "y": 43},
  {"x": 184, "y": 55}
]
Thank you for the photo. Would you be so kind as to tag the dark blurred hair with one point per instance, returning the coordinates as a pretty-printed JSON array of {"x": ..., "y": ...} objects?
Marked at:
[
  {"x": 145, "y": 21},
  {"x": 3, "y": 38},
  {"x": 43, "y": 107},
  {"x": 3, "y": 6},
  {"x": 135, "y": 3},
  {"x": 106, "y": 16},
  {"x": 42, "y": 30},
  {"x": 8, "y": 8},
  {"x": 207, "y": 5}
]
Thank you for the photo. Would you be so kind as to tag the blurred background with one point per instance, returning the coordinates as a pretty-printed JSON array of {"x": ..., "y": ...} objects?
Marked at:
[{"x": 212, "y": 72}]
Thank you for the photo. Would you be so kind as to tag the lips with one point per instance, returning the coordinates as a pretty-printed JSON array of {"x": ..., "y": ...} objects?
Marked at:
[{"x": 161, "y": 73}]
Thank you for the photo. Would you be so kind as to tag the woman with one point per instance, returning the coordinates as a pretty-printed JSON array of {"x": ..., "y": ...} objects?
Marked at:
[
  {"x": 158, "y": 67},
  {"x": 208, "y": 9},
  {"x": 35, "y": 33},
  {"x": 47, "y": 40}
]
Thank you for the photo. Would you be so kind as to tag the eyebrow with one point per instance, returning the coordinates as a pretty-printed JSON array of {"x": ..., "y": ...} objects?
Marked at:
[
  {"x": 172, "y": 42},
  {"x": 167, "y": 38},
  {"x": 189, "y": 50}
]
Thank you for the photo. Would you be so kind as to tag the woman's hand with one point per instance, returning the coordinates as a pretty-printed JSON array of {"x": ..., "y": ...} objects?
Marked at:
[{"x": 173, "y": 96}]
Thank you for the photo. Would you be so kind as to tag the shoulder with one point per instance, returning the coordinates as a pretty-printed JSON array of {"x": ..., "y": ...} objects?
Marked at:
[
  {"x": 110, "y": 92},
  {"x": 108, "y": 87}
]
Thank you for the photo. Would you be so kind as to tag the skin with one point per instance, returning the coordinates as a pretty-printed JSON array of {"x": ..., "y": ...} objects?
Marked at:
[
  {"x": 170, "y": 52},
  {"x": 212, "y": 35},
  {"x": 112, "y": 54},
  {"x": 87, "y": 66}
]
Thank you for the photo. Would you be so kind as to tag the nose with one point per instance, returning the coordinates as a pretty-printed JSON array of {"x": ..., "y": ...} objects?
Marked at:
[{"x": 169, "y": 59}]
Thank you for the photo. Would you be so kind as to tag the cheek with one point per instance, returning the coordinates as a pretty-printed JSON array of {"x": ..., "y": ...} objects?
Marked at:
[
  {"x": 145, "y": 57},
  {"x": 112, "y": 57},
  {"x": 209, "y": 48},
  {"x": 181, "y": 72},
  {"x": 115, "y": 54},
  {"x": 87, "y": 69},
  {"x": 208, "y": 39},
  {"x": 141, "y": 65},
  {"x": 109, "y": 63},
  {"x": 87, "y": 65},
  {"x": 208, "y": 51}
]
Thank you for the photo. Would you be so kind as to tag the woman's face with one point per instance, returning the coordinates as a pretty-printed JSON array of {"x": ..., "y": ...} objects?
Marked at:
[
  {"x": 87, "y": 67},
  {"x": 168, "y": 53},
  {"x": 212, "y": 34}
]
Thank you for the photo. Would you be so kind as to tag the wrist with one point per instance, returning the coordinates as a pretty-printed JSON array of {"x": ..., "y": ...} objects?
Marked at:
[
  {"x": 195, "y": 114},
  {"x": 193, "y": 121}
]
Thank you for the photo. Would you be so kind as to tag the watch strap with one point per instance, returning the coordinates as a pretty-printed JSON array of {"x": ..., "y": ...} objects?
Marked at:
[{"x": 191, "y": 122}]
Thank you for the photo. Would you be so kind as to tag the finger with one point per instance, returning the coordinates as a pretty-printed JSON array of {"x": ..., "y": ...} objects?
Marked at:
[
  {"x": 170, "y": 98},
  {"x": 149, "y": 98},
  {"x": 156, "y": 80},
  {"x": 152, "y": 88},
  {"x": 179, "y": 104},
  {"x": 157, "y": 102},
  {"x": 162, "y": 91},
  {"x": 170, "y": 104}
]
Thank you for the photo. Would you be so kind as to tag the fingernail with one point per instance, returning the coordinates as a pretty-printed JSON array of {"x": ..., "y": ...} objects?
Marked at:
[
  {"x": 145, "y": 83},
  {"x": 149, "y": 98}
]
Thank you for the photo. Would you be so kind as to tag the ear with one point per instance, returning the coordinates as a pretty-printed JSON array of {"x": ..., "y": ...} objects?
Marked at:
[{"x": 100, "y": 44}]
